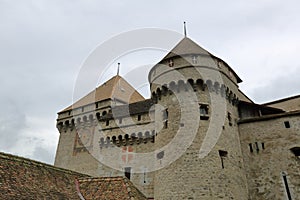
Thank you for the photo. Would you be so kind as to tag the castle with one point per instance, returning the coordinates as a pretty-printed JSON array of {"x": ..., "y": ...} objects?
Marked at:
[{"x": 197, "y": 137}]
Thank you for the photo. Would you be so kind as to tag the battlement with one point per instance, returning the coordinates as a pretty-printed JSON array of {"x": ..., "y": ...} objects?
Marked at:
[
  {"x": 125, "y": 140},
  {"x": 197, "y": 85}
]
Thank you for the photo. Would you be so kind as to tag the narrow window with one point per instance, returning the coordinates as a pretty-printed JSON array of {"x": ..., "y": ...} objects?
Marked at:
[
  {"x": 107, "y": 122},
  {"x": 139, "y": 117},
  {"x": 286, "y": 185},
  {"x": 251, "y": 148},
  {"x": 165, "y": 114},
  {"x": 287, "y": 124},
  {"x": 120, "y": 120},
  {"x": 256, "y": 145},
  {"x": 128, "y": 172},
  {"x": 223, "y": 155},
  {"x": 145, "y": 176},
  {"x": 82, "y": 109},
  {"x": 165, "y": 118},
  {"x": 166, "y": 124},
  {"x": 229, "y": 119},
  {"x": 263, "y": 145},
  {"x": 96, "y": 105}
]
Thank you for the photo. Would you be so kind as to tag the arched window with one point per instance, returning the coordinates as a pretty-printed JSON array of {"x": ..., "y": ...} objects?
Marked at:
[{"x": 296, "y": 151}]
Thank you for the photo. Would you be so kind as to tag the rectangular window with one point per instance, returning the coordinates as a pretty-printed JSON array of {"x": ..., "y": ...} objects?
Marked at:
[
  {"x": 251, "y": 148},
  {"x": 139, "y": 117},
  {"x": 256, "y": 145},
  {"x": 107, "y": 122},
  {"x": 286, "y": 185},
  {"x": 223, "y": 155},
  {"x": 203, "y": 109},
  {"x": 287, "y": 124},
  {"x": 166, "y": 124},
  {"x": 229, "y": 119},
  {"x": 128, "y": 172},
  {"x": 165, "y": 114},
  {"x": 120, "y": 120}
]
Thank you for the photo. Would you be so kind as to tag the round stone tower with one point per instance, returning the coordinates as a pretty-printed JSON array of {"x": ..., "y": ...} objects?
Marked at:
[{"x": 197, "y": 139}]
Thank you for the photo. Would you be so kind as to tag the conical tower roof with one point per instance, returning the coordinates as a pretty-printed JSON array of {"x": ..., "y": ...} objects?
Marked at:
[
  {"x": 115, "y": 88},
  {"x": 186, "y": 46}
]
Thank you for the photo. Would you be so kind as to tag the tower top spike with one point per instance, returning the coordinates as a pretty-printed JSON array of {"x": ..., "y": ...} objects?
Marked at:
[
  {"x": 184, "y": 28},
  {"x": 118, "y": 69}
]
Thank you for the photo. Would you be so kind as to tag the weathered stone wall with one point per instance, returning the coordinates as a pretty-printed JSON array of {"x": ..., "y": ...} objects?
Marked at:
[
  {"x": 270, "y": 155},
  {"x": 191, "y": 177},
  {"x": 83, "y": 154}
]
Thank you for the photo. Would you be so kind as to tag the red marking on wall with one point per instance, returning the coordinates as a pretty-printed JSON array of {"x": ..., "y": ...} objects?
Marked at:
[{"x": 127, "y": 154}]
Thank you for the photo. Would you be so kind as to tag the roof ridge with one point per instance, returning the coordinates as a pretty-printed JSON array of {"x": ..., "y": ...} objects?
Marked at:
[
  {"x": 282, "y": 99},
  {"x": 117, "y": 81},
  {"x": 29, "y": 161},
  {"x": 107, "y": 91},
  {"x": 85, "y": 179}
]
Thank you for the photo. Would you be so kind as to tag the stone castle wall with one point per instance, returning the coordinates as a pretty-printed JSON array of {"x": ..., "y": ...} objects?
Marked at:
[
  {"x": 266, "y": 150},
  {"x": 220, "y": 175}
]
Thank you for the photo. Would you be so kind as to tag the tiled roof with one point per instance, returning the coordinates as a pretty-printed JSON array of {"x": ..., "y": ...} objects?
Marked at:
[
  {"x": 22, "y": 178},
  {"x": 188, "y": 47},
  {"x": 109, "y": 188},
  {"x": 130, "y": 109},
  {"x": 114, "y": 88},
  {"x": 283, "y": 100}
]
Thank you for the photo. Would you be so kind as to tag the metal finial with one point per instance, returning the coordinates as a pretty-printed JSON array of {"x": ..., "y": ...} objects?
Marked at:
[
  {"x": 118, "y": 69},
  {"x": 184, "y": 26}
]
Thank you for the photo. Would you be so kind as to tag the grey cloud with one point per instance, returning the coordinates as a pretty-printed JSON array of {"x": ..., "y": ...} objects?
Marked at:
[
  {"x": 288, "y": 84},
  {"x": 12, "y": 122},
  {"x": 43, "y": 154}
]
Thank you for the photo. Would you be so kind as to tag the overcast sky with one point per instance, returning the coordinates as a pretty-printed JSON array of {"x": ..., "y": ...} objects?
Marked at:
[{"x": 44, "y": 43}]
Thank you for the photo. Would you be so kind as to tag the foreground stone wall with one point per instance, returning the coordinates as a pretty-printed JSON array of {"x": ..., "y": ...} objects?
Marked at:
[{"x": 266, "y": 145}]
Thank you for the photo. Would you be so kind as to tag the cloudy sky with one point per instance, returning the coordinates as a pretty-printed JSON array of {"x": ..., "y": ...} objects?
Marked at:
[{"x": 44, "y": 43}]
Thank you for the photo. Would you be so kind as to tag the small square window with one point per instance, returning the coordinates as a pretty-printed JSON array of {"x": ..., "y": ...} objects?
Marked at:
[
  {"x": 203, "y": 109},
  {"x": 287, "y": 124}
]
